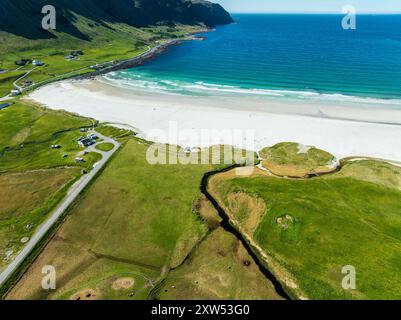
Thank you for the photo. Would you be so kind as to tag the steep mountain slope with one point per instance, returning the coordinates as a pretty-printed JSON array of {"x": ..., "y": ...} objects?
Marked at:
[{"x": 23, "y": 17}]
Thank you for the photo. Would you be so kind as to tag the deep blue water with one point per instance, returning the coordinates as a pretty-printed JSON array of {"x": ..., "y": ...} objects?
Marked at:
[{"x": 282, "y": 55}]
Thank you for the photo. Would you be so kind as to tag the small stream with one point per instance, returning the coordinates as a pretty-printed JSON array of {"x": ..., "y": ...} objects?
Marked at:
[{"x": 229, "y": 228}]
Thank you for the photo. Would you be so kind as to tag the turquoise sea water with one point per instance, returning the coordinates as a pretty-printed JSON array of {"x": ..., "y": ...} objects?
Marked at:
[{"x": 282, "y": 55}]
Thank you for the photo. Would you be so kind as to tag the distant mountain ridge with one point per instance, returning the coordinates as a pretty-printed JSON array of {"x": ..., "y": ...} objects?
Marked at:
[{"x": 23, "y": 17}]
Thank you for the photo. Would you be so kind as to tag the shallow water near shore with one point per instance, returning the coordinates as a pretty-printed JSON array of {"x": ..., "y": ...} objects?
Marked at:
[{"x": 305, "y": 57}]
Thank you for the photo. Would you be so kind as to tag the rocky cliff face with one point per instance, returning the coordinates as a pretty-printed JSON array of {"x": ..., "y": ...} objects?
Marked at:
[{"x": 23, "y": 17}]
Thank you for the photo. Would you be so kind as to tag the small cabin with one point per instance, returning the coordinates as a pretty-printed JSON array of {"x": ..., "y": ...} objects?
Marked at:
[
  {"x": 77, "y": 53},
  {"x": 26, "y": 83},
  {"x": 22, "y": 62},
  {"x": 86, "y": 142},
  {"x": 96, "y": 67},
  {"x": 15, "y": 92},
  {"x": 37, "y": 63},
  {"x": 92, "y": 136}
]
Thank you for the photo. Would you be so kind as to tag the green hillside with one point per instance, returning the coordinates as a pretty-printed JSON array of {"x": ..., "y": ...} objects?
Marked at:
[
  {"x": 104, "y": 30},
  {"x": 138, "y": 13}
]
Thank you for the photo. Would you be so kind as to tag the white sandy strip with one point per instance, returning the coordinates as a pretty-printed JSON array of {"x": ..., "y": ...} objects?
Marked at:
[{"x": 317, "y": 124}]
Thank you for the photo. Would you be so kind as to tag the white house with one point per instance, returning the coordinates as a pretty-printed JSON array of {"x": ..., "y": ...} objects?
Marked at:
[{"x": 37, "y": 63}]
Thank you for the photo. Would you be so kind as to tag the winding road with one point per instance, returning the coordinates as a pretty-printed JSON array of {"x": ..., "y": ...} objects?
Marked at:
[{"x": 72, "y": 194}]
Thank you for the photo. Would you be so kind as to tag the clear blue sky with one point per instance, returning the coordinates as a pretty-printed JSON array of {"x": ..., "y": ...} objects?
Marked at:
[{"x": 311, "y": 6}]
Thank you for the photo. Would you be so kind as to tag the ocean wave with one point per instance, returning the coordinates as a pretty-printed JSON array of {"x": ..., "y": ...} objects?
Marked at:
[
  {"x": 131, "y": 80},
  {"x": 230, "y": 89}
]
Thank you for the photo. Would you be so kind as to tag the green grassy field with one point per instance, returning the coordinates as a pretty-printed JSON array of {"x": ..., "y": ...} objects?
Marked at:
[
  {"x": 34, "y": 177},
  {"x": 314, "y": 227},
  {"x": 220, "y": 268},
  {"x": 29, "y": 131},
  {"x": 6, "y": 81},
  {"x": 377, "y": 172},
  {"x": 26, "y": 199},
  {"x": 105, "y": 146},
  {"x": 136, "y": 217},
  {"x": 310, "y": 227},
  {"x": 113, "y": 132}
]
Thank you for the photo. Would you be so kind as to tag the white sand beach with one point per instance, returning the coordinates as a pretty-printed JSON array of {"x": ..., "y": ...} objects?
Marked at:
[{"x": 344, "y": 129}]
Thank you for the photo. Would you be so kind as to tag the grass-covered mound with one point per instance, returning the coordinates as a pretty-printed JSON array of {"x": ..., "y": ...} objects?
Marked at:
[
  {"x": 296, "y": 160},
  {"x": 312, "y": 228}
]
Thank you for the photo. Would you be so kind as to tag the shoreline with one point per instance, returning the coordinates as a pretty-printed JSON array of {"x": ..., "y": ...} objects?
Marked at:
[
  {"x": 150, "y": 54},
  {"x": 369, "y": 111},
  {"x": 344, "y": 130},
  {"x": 136, "y": 61}
]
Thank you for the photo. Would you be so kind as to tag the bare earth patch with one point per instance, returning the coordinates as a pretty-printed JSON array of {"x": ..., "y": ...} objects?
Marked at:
[
  {"x": 20, "y": 136},
  {"x": 87, "y": 294},
  {"x": 123, "y": 283},
  {"x": 250, "y": 210},
  {"x": 285, "y": 221}
]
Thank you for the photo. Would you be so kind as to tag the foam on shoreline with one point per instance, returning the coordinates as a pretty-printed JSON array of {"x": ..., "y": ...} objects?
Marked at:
[{"x": 126, "y": 79}]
